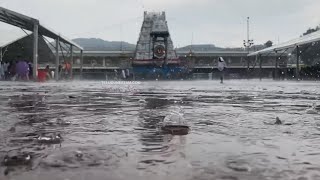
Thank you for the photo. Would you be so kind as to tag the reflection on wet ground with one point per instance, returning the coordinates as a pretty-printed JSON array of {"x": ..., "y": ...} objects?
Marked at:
[{"x": 89, "y": 130}]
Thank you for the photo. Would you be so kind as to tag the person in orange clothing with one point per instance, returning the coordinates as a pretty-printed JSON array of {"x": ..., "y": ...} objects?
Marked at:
[{"x": 67, "y": 70}]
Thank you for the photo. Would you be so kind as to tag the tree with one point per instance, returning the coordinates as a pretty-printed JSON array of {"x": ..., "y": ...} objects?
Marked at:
[
  {"x": 268, "y": 44},
  {"x": 311, "y": 30}
]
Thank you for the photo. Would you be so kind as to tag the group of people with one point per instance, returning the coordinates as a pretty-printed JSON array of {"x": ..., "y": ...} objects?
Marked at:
[
  {"x": 16, "y": 70},
  {"x": 64, "y": 72},
  {"x": 22, "y": 70}
]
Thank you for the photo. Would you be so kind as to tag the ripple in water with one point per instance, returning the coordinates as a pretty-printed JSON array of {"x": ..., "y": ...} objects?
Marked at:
[{"x": 85, "y": 130}]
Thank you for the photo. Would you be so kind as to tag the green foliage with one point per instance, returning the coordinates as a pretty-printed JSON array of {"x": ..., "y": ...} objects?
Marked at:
[
  {"x": 268, "y": 44},
  {"x": 311, "y": 30}
]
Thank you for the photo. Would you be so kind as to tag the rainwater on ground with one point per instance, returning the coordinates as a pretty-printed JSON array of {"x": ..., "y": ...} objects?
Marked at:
[{"x": 92, "y": 130}]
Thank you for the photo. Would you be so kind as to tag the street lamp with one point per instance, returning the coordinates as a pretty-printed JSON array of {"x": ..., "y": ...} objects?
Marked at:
[
  {"x": 247, "y": 45},
  {"x": 249, "y": 42}
]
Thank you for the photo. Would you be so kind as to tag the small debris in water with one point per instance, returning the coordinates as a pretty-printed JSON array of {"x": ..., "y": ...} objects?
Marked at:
[
  {"x": 52, "y": 139},
  {"x": 312, "y": 110},
  {"x": 17, "y": 160},
  {"x": 278, "y": 121},
  {"x": 12, "y": 129},
  {"x": 142, "y": 101},
  {"x": 7, "y": 170},
  {"x": 237, "y": 166},
  {"x": 279, "y": 157},
  {"x": 176, "y": 130},
  {"x": 79, "y": 154},
  {"x": 62, "y": 122},
  {"x": 71, "y": 97},
  {"x": 175, "y": 125},
  {"x": 228, "y": 178},
  {"x": 306, "y": 163},
  {"x": 288, "y": 124}
]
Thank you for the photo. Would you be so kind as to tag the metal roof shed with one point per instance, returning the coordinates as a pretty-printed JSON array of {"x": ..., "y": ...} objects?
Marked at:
[
  {"x": 310, "y": 38},
  {"x": 23, "y": 48},
  {"x": 294, "y": 43},
  {"x": 31, "y": 24}
]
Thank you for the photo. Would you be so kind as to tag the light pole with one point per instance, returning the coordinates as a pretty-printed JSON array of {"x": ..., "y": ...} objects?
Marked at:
[{"x": 248, "y": 44}]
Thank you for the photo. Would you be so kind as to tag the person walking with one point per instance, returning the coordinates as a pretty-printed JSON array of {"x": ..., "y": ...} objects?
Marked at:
[
  {"x": 2, "y": 66},
  {"x": 22, "y": 70},
  {"x": 221, "y": 67},
  {"x": 5, "y": 70},
  {"x": 48, "y": 72},
  {"x": 12, "y": 71},
  {"x": 30, "y": 70},
  {"x": 67, "y": 70}
]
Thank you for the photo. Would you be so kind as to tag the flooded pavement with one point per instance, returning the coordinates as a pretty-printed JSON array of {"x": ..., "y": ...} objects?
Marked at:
[{"x": 91, "y": 130}]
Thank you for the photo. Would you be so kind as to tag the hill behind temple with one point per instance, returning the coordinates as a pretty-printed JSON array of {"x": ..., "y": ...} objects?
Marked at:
[{"x": 97, "y": 44}]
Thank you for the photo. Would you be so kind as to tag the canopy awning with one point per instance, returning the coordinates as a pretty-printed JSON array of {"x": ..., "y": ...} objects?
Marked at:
[
  {"x": 27, "y": 23},
  {"x": 8, "y": 43},
  {"x": 307, "y": 39}
]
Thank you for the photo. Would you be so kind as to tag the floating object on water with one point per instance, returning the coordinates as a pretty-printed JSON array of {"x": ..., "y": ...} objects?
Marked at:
[
  {"x": 79, "y": 154},
  {"x": 239, "y": 166},
  {"x": 278, "y": 121},
  {"x": 12, "y": 129},
  {"x": 72, "y": 97},
  {"x": 17, "y": 160},
  {"x": 175, "y": 124},
  {"x": 53, "y": 139},
  {"x": 176, "y": 129},
  {"x": 142, "y": 101},
  {"x": 62, "y": 122},
  {"x": 313, "y": 110}
]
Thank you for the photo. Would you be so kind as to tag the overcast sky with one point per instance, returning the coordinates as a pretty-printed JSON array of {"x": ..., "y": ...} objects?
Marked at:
[{"x": 219, "y": 22}]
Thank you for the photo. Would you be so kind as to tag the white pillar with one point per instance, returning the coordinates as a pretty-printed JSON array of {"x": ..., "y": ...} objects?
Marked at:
[
  {"x": 297, "y": 64},
  {"x": 56, "y": 74},
  {"x": 260, "y": 66},
  {"x": 35, "y": 50},
  {"x": 276, "y": 68},
  {"x": 0, "y": 54},
  {"x": 71, "y": 62},
  {"x": 81, "y": 63}
]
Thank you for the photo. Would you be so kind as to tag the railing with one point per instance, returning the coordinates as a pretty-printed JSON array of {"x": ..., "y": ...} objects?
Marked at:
[{"x": 193, "y": 63}]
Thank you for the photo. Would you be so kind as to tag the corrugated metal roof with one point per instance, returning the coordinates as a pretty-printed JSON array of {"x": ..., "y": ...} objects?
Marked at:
[
  {"x": 310, "y": 38},
  {"x": 25, "y": 22},
  {"x": 8, "y": 43}
]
